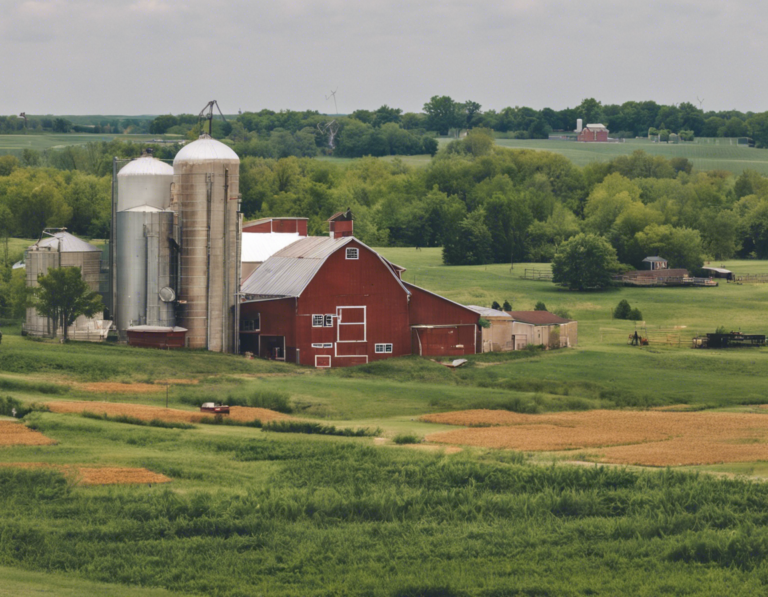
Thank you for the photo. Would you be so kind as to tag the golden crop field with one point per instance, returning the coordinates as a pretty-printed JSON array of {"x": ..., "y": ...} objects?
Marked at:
[
  {"x": 18, "y": 434},
  {"x": 89, "y": 475},
  {"x": 148, "y": 413},
  {"x": 650, "y": 438}
]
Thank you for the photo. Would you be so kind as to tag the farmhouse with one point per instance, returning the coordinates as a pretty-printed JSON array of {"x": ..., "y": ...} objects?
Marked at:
[
  {"x": 594, "y": 133},
  {"x": 333, "y": 302},
  {"x": 542, "y": 328}
]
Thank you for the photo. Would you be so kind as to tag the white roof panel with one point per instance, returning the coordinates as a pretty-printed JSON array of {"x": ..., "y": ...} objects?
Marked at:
[
  {"x": 258, "y": 247},
  {"x": 487, "y": 312}
]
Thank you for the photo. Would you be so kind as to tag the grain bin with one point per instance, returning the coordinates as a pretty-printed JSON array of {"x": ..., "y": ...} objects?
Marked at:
[
  {"x": 54, "y": 250},
  {"x": 206, "y": 198},
  {"x": 144, "y": 236}
]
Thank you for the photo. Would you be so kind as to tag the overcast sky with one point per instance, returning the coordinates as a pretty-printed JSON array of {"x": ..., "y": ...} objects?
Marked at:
[{"x": 159, "y": 56}]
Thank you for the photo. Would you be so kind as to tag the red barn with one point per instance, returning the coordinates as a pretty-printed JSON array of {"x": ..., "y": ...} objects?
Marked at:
[
  {"x": 335, "y": 302},
  {"x": 594, "y": 132}
]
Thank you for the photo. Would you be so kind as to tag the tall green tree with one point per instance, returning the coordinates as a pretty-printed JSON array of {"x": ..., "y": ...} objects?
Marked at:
[
  {"x": 443, "y": 114},
  {"x": 62, "y": 295},
  {"x": 584, "y": 262}
]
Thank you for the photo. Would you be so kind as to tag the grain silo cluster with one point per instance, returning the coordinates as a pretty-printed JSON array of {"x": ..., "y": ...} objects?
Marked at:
[{"x": 176, "y": 247}]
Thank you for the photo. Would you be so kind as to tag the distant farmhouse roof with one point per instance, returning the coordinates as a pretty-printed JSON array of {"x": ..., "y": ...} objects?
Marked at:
[
  {"x": 538, "y": 317},
  {"x": 596, "y": 127},
  {"x": 655, "y": 259}
]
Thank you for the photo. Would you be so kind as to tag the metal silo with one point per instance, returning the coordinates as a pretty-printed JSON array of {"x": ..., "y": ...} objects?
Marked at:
[
  {"x": 207, "y": 201},
  {"x": 54, "y": 250},
  {"x": 144, "y": 235}
]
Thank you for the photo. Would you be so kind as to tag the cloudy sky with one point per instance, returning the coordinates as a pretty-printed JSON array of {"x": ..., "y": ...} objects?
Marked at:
[{"x": 159, "y": 56}]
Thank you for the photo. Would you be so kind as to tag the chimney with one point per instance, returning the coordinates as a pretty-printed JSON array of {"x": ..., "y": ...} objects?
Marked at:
[{"x": 341, "y": 224}]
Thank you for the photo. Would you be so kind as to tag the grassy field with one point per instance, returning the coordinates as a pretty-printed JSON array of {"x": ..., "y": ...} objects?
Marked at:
[
  {"x": 15, "y": 144},
  {"x": 703, "y": 155},
  {"x": 252, "y": 512}
]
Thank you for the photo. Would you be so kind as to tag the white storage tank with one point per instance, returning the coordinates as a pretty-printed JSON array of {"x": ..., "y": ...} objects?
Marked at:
[
  {"x": 144, "y": 235},
  {"x": 206, "y": 198},
  {"x": 55, "y": 250}
]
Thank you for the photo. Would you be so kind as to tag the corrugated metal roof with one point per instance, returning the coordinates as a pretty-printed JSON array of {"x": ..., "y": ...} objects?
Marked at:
[
  {"x": 205, "y": 149},
  {"x": 537, "y": 317},
  {"x": 596, "y": 127},
  {"x": 289, "y": 270},
  {"x": 257, "y": 247},
  {"x": 264, "y": 220},
  {"x": 487, "y": 312},
  {"x": 66, "y": 243},
  {"x": 156, "y": 328},
  {"x": 146, "y": 166},
  {"x": 655, "y": 259},
  {"x": 719, "y": 270}
]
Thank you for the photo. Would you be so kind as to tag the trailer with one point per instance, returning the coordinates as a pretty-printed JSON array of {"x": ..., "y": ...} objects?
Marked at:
[{"x": 729, "y": 340}]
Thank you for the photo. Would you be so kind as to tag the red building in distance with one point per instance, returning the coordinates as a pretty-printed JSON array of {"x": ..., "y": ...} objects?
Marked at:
[{"x": 594, "y": 133}]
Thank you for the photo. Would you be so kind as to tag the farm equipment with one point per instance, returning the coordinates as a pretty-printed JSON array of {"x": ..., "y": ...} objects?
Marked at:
[
  {"x": 729, "y": 340},
  {"x": 637, "y": 340},
  {"x": 214, "y": 408}
]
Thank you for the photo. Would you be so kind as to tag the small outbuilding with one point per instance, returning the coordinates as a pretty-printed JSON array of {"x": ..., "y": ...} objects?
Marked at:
[
  {"x": 155, "y": 336},
  {"x": 718, "y": 272},
  {"x": 542, "y": 328},
  {"x": 594, "y": 133},
  {"x": 655, "y": 262},
  {"x": 499, "y": 335}
]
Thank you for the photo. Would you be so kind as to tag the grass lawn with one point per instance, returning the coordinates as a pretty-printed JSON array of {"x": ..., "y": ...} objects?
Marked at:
[{"x": 15, "y": 144}]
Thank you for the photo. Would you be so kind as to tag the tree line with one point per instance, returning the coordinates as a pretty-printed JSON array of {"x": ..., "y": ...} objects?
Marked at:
[{"x": 482, "y": 203}]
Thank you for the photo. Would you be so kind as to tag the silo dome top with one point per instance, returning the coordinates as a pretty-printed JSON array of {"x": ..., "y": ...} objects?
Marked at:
[
  {"x": 205, "y": 149},
  {"x": 146, "y": 166}
]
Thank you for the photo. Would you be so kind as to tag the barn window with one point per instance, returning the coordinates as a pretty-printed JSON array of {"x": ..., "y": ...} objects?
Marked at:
[
  {"x": 317, "y": 345},
  {"x": 329, "y": 321},
  {"x": 250, "y": 325},
  {"x": 317, "y": 321},
  {"x": 383, "y": 348},
  {"x": 353, "y": 253},
  {"x": 328, "y": 345}
]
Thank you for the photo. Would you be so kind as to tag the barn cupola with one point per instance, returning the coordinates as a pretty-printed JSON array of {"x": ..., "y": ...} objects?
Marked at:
[{"x": 341, "y": 224}]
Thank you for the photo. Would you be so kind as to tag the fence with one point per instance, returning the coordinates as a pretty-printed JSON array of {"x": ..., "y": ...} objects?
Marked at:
[
  {"x": 541, "y": 275},
  {"x": 752, "y": 278},
  {"x": 665, "y": 336}
]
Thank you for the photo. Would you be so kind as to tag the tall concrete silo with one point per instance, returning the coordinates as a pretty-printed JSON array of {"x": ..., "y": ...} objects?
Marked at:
[
  {"x": 55, "y": 250},
  {"x": 143, "y": 239},
  {"x": 206, "y": 197}
]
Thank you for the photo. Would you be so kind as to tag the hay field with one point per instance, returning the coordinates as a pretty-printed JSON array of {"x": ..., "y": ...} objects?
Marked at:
[
  {"x": 13, "y": 433},
  {"x": 244, "y": 414},
  {"x": 104, "y": 475},
  {"x": 649, "y": 438}
]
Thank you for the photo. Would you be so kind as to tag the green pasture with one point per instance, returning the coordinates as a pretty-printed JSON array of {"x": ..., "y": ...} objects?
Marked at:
[
  {"x": 15, "y": 144},
  {"x": 708, "y": 154}
]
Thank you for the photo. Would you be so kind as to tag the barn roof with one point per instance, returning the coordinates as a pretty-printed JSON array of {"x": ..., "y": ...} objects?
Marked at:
[
  {"x": 288, "y": 272},
  {"x": 596, "y": 127},
  {"x": 487, "y": 312},
  {"x": 66, "y": 243},
  {"x": 538, "y": 317},
  {"x": 719, "y": 270}
]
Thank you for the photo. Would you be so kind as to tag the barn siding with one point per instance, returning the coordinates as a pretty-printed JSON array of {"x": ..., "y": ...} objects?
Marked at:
[
  {"x": 363, "y": 282},
  {"x": 277, "y": 318}
]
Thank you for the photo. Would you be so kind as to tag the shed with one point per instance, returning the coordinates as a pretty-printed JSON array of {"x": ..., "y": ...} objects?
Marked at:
[
  {"x": 594, "y": 133},
  {"x": 718, "y": 272},
  {"x": 542, "y": 328},
  {"x": 655, "y": 262},
  {"x": 499, "y": 336}
]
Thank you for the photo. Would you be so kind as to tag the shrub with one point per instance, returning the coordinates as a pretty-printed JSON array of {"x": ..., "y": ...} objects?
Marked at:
[
  {"x": 635, "y": 315},
  {"x": 483, "y": 323},
  {"x": 507, "y": 306},
  {"x": 10, "y": 407},
  {"x": 318, "y": 429},
  {"x": 622, "y": 310},
  {"x": 562, "y": 312},
  {"x": 407, "y": 438},
  {"x": 540, "y": 306},
  {"x": 129, "y": 420},
  {"x": 495, "y": 305}
]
